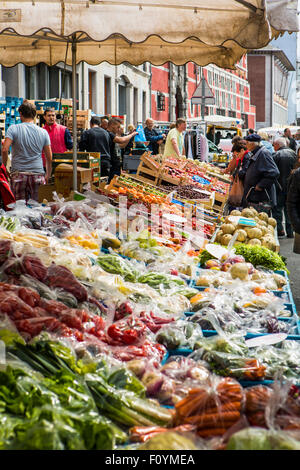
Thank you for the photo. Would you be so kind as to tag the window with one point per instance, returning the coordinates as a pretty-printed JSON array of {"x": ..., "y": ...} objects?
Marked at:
[
  {"x": 135, "y": 106},
  {"x": 144, "y": 106},
  {"x": 107, "y": 95},
  {"x": 161, "y": 106}
]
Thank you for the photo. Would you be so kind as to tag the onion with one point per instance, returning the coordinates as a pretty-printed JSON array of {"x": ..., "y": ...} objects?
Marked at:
[{"x": 153, "y": 382}]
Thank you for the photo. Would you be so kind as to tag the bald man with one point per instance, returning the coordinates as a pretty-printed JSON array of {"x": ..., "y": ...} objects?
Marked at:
[{"x": 153, "y": 136}]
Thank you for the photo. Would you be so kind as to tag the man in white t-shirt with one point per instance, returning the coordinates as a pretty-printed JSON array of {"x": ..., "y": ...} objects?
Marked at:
[
  {"x": 27, "y": 141},
  {"x": 174, "y": 146}
]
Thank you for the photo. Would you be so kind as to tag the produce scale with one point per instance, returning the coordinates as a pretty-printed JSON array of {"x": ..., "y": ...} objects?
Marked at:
[{"x": 146, "y": 338}]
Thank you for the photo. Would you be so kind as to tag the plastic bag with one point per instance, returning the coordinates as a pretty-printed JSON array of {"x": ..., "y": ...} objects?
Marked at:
[
  {"x": 213, "y": 407},
  {"x": 140, "y": 136}
]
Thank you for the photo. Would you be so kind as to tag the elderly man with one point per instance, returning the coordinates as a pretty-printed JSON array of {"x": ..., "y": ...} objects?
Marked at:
[
  {"x": 261, "y": 174},
  {"x": 175, "y": 144},
  {"x": 285, "y": 159},
  {"x": 154, "y": 137}
]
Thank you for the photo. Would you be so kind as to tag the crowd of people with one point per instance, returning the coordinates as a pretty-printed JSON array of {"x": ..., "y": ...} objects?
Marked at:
[{"x": 266, "y": 176}]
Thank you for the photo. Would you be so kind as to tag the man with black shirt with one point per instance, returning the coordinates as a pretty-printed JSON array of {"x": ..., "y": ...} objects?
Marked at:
[
  {"x": 97, "y": 139},
  {"x": 287, "y": 134},
  {"x": 114, "y": 125}
]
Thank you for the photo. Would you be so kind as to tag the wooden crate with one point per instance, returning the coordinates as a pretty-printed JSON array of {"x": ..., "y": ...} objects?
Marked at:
[
  {"x": 148, "y": 174},
  {"x": 149, "y": 161},
  {"x": 2, "y": 123}
]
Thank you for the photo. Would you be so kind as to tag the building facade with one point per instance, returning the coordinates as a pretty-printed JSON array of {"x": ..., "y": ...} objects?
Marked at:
[
  {"x": 105, "y": 89},
  {"x": 173, "y": 86},
  {"x": 268, "y": 70}
]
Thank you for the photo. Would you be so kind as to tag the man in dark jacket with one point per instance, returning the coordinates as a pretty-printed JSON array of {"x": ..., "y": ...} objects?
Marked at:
[
  {"x": 96, "y": 139},
  {"x": 261, "y": 174},
  {"x": 153, "y": 136},
  {"x": 293, "y": 206},
  {"x": 287, "y": 134},
  {"x": 285, "y": 159}
]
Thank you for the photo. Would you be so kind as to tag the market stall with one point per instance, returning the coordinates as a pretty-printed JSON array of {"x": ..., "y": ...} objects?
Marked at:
[
  {"x": 167, "y": 340},
  {"x": 118, "y": 336}
]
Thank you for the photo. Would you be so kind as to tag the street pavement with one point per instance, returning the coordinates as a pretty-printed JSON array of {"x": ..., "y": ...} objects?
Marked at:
[{"x": 293, "y": 265}]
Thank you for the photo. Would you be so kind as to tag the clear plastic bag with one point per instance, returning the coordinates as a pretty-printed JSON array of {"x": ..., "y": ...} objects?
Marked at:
[{"x": 213, "y": 407}]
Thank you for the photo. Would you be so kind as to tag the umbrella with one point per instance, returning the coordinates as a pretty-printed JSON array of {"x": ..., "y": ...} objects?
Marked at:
[{"x": 137, "y": 31}]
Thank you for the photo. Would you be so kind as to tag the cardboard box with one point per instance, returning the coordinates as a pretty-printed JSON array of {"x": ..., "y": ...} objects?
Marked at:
[
  {"x": 64, "y": 178},
  {"x": 46, "y": 192}
]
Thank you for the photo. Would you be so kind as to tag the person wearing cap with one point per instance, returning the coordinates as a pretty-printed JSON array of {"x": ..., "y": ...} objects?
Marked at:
[{"x": 260, "y": 175}]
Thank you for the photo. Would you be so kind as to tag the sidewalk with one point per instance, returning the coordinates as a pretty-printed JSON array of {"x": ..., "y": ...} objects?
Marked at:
[{"x": 293, "y": 265}]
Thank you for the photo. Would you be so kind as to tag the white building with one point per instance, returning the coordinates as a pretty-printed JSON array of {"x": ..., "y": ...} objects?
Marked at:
[{"x": 106, "y": 89}]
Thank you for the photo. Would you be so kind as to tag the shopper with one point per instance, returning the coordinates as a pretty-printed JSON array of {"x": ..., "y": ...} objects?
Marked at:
[
  {"x": 97, "y": 139},
  {"x": 293, "y": 206},
  {"x": 261, "y": 174},
  {"x": 114, "y": 125},
  {"x": 236, "y": 166},
  {"x": 292, "y": 143},
  {"x": 265, "y": 141},
  {"x": 27, "y": 141},
  {"x": 104, "y": 122},
  {"x": 153, "y": 136},
  {"x": 174, "y": 146},
  {"x": 285, "y": 159},
  {"x": 60, "y": 136}
]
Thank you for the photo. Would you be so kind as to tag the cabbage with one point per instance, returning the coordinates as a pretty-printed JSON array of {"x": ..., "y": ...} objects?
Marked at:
[
  {"x": 168, "y": 440},
  {"x": 262, "y": 439}
]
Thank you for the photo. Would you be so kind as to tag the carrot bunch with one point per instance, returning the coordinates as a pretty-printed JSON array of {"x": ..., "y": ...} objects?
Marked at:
[
  {"x": 256, "y": 401},
  {"x": 212, "y": 410}
]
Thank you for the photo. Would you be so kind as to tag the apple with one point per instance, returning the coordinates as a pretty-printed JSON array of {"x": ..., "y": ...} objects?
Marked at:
[
  {"x": 174, "y": 272},
  {"x": 212, "y": 263},
  {"x": 226, "y": 266}
]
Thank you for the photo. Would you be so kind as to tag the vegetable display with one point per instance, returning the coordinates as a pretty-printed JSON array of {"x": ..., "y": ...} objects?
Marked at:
[{"x": 138, "y": 339}]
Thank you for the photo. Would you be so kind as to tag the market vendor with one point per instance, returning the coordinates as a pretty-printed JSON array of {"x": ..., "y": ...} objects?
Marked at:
[
  {"x": 27, "y": 141},
  {"x": 60, "y": 136},
  {"x": 174, "y": 146},
  {"x": 153, "y": 136},
  {"x": 96, "y": 139}
]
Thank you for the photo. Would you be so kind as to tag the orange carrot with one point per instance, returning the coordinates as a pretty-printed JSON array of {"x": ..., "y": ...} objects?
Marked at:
[{"x": 211, "y": 432}]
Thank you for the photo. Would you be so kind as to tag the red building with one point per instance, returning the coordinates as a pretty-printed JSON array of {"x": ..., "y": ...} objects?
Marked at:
[{"x": 173, "y": 87}]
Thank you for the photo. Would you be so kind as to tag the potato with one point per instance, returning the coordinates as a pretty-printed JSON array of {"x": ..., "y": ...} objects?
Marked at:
[
  {"x": 228, "y": 228},
  {"x": 242, "y": 235},
  {"x": 226, "y": 239},
  {"x": 272, "y": 221},
  {"x": 254, "y": 211},
  {"x": 247, "y": 212},
  {"x": 219, "y": 236},
  {"x": 263, "y": 216},
  {"x": 269, "y": 242},
  {"x": 235, "y": 212},
  {"x": 254, "y": 241},
  {"x": 254, "y": 232}
]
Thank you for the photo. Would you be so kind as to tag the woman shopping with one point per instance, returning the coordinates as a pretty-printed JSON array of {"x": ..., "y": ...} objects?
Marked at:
[{"x": 237, "y": 168}]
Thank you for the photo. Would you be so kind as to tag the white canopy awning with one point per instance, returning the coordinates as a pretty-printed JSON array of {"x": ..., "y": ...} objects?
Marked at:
[{"x": 137, "y": 31}]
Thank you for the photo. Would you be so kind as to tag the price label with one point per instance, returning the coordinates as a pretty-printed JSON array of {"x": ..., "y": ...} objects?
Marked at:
[
  {"x": 266, "y": 340},
  {"x": 236, "y": 219}
]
